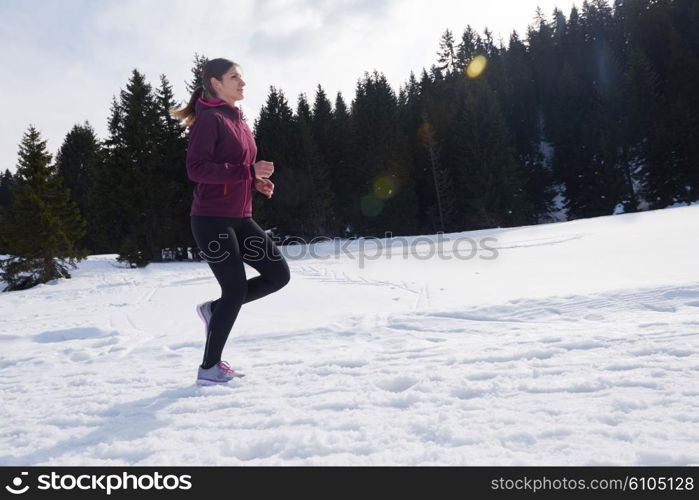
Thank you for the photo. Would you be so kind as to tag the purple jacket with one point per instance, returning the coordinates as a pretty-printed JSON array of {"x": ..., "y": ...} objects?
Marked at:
[{"x": 220, "y": 155}]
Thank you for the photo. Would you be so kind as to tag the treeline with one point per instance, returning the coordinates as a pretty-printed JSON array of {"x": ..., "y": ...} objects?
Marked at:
[{"x": 591, "y": 113}]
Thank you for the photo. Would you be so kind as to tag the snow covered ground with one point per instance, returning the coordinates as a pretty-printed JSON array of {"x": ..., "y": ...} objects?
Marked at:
[{"x": 577, "y": 345}]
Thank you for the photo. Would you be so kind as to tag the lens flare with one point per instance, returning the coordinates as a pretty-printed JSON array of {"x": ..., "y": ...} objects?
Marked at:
[
  {"x": 370, "y": 205},
  {"x": 476, "y": 66},
  {"x": 385, "y": 187}
]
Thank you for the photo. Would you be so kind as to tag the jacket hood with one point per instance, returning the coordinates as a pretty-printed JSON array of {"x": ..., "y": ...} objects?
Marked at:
[{"x": 202, "y": 105}]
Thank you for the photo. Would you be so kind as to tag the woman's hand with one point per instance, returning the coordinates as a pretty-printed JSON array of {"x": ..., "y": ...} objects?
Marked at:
[
  {"x": 263, "y": 169},
  {"x": 264, "y": 186}
]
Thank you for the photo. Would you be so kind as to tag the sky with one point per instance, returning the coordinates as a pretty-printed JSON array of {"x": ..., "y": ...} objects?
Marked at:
[{"x": 62, "y": 62}]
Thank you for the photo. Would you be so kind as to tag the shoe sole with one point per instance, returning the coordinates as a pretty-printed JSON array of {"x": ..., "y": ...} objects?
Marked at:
[
  {"x": 211, "y": 382},
  {"x": 206, "y": 381}
]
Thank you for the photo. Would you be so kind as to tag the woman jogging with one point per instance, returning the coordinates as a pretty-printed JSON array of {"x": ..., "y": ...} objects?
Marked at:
[{"x": 221, "y": 159}]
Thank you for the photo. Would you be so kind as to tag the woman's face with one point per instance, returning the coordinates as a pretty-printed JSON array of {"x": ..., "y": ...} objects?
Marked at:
[{"x": 230, "y": 88}]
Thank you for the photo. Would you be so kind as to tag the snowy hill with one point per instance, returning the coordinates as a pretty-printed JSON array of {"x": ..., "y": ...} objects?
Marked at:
[{"x": 577, "y": 345}]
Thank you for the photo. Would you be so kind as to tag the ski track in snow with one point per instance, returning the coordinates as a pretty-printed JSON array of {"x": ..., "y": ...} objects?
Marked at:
[{"x": 99, "y": 370}]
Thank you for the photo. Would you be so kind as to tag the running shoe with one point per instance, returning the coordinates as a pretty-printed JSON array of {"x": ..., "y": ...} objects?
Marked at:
[{"x": 220, "y": 373}]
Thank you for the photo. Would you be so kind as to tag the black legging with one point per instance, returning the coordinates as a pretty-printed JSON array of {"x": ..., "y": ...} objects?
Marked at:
[{"x": 221, "y": 240}]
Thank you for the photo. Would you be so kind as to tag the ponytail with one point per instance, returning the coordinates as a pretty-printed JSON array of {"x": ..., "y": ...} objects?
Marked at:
[{"x": 187, "y": 115}]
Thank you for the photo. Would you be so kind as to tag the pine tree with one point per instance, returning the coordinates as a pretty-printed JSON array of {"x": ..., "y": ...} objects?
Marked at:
[
  {"x": 107, "y": 201},
  {"x": 6, "y": 182},
  {"x": 382, "y": 160},
  {"x": 603, "y": 181},
  {"x": 197, "y": 72},
  {"x": 171, "y": 208},
  {"x": 442, "y": 183},
  {"x": 343, "y": 179},
  {"x": 599, "y": 184},
  {"x": 678, "y": 180},
  {"x": 521, "y": 111},
  {"x": 423, "y": 125},
  {"x": 447, "y": 53},
  {"x": 470, "y": 45},
  {"x": 568, "y": 114},
  {"x": 76, "y": 162},
  {"x": 324, "y": 137},
  {"x": 485, "y": 173},
  {"x": 130, "y": 188},
  {"x": 6, "y": 198},
  {"x": 642, "y": 139},
  {"x": 274, "y": 137},
  {"x": 411, "y": 117},
  {"x": 142, "y": 174},
  {"x": 310, "y": 173},
  {"x": 321, "y": 119},
  {"x": 41, "y": 229}
]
